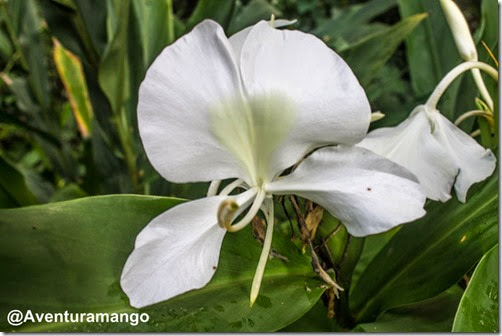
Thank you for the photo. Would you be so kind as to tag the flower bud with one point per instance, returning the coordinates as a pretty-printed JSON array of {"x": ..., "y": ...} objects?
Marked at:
[{"x": 460, "y": 30}]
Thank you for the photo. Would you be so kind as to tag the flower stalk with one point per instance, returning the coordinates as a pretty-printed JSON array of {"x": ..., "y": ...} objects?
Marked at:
[{"x": 452, "y": 75}]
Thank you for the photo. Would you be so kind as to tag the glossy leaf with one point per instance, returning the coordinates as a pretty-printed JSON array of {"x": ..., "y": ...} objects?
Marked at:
[
  {"x": 412, "y": 266},
  {"x": 479, "y": 307},
  {"x": 72, "y": 75},
  {"x": 369, "y": 55},
  {"x": 72, "y": 256},
  {"x": 433, "y": 315}
]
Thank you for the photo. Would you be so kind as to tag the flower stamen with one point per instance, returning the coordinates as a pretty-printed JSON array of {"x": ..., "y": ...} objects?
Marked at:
[
  {"x": 226, "y": 212},
  {"x": 258, "y": 276},
  {"x": 229, "y": 188},
  {"x": 228, "y": 209}
]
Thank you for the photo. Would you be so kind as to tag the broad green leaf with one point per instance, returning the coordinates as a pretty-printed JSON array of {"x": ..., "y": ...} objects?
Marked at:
[
  {"x": 72, "y": 75},
  {"x": 432, "y": 315},
  {"x": 14, "y": 186},
  {"x": 253, "y": 12},
  {"x": 69, "y": 256},
  {"x": 479, "y": 308},
  {"x": 429, "y": 255},
  {"x": 369, "y": 55},
  {"x": 219, "y": 11}
]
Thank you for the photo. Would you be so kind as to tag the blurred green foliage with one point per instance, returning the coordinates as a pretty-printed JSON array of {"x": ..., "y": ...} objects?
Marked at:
[{"x": 69, "y": 77}]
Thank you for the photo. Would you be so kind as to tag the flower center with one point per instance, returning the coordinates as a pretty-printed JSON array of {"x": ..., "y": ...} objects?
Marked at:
[{"x": 252, "y": 130}]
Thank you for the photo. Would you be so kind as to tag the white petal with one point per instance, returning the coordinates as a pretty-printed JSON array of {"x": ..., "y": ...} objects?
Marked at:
[
  {"x": 237, "y": 40},
  {"x": 177, "y": 251},
  {"x": 331, "y": 107},
  {"x": 180, "y": 88},
  {"x": 412, "y": 145},
  {"x": 475, "y": 162},
  {"x": 367, "y": 192}
]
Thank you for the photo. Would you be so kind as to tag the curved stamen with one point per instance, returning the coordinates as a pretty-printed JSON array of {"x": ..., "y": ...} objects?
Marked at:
[
  {"x": 228, "y": 210},
  {"x": 229, "y": 188},
  {"x": 474, "y": 113},
  {"x": 213, "y": 188},
  {"x": 258, "y": 276}
]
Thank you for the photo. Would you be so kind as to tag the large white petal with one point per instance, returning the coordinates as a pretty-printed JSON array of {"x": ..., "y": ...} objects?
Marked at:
[
  {"x": 412, "y": 145},
  {"x": 177, "y": 251},
  {"x": 329, "y": 104},
  {"x": 475, "y": 162},
  {"x": 237, "y": 40},
  {"x": 367, "y": 192},
  {"x": 180, "y": 88}
]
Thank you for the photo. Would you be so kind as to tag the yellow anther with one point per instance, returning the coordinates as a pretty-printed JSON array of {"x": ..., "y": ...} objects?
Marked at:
[{"x": 226, "y": 213}]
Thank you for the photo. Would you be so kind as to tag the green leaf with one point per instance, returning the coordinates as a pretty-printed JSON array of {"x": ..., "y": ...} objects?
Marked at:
[
  {"x": 430, "y": 255},
  {"x": 315, "y": 320},
  {"x": 14, "y": 187},
  {"x": 72, "y": 75},
  {"x": 156, "y": 27},
  {"x": 32, "y": 43},
  {"x": 372, "y": 246},
  {"x": 80, "y": 25},
  {"x": 219, "y": 11},
  {"x": 369, "y": 55},
  {"x": 6, "y": 49},
  {"x": 250, "y": 14},
  {"x": 432, "y": 315},
  {"x": 112, "y": 70},
  {"x": 69, "y": 256},
  {"x": 68, "y": 192},
  {"x": 479, "y": 308}
]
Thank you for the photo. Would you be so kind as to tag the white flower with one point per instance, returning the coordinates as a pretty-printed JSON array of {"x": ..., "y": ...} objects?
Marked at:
[
  {"x": 248, "y": 107},
  {"x": 436, "y": 151}
]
